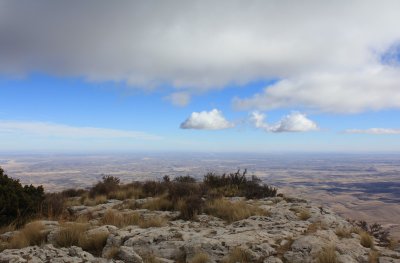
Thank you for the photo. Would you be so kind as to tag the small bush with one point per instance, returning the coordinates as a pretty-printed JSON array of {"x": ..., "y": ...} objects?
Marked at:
[
  {"x": 53, "y": 205},
  {"x": 106, "y": 186},
  {"x": 232, "y": 211},
  {"x": 238, "y": 255},
  {"x": 185, "y": 179},
  {"x": 366, "y": 240},
  {"x": 200, "y": 257},
  {"x": 159, "y": 204},
  {"x": 153, "y": 188},
  {"x": 71, "y": 235},
  {"x": 327, "y": 255},
  {"x": 31, "y": 235},
  {"x": 73, "y": 192},
  {"x": 190, "y": 207},
  {"x": 177, "y": 191}
]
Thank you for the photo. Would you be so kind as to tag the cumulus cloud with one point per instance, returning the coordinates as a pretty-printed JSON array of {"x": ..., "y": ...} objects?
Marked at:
[
  {"x": 328, "y": 56},
  {"x": 179, "y": 99},
  {"x": 206, "y": 120},
  {"x": 46, "y": 129},
  {"x": 376, "y": 131},
  {"x": 294, "y": 122}
]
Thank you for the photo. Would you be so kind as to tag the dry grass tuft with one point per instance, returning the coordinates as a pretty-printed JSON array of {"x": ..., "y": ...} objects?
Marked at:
[
  {"x": 200, "y": 258},
  {"x": 115, "y": 218},
  {"x": 31, "y": 235},
  {"x": 373, "y": 256},
  {"x": 125, "y": 193},
  {"x": 98, "y": 199},
  {"x": 159, "y": 204},
  {"x": 152, "y": 222},
  {"x": 112, "y": 253},
  {"x": 149, "y": 258},
  {"x": 238, "y": 255},
  {"x": 314, "y": 227},
  {"x": 366, "y": 240},
  {"x": 343, "y": 232},
  {"x": 304, "y": 214},
  {"x": 327, "y": 255},
  {"x": 71, "y": 234},
  {"x": 283, "y": 248},
  {"x": 93, "y": 243},
  {"x": 232, "y": 211}
]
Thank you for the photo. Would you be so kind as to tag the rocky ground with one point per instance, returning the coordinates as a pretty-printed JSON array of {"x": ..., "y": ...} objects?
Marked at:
[{"x": 292, "y": 230}]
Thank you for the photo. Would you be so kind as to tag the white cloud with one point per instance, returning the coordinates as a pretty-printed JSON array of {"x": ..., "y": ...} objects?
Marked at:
[
  {"x": 65, "y": 131},
  {"x": 294, "y": 122},
  {"x": 206, "y": 120},
  {"x": 375, "y": 88},
  {"x": 376, "y": 131},
  {"x": 179, "y": 99},
  {"x": 328, "y": 55}
]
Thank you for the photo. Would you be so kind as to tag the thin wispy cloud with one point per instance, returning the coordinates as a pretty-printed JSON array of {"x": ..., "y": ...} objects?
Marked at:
[
  {"x": 376, "y": 131},
  {"x": 46, "y": 129}
]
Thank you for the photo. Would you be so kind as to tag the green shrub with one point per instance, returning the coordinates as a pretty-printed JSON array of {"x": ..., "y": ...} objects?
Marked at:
[{"x": 18, "y": 203}]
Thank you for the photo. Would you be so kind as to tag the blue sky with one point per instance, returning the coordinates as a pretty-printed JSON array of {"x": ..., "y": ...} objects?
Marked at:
[{"x": 185, "y": 79}]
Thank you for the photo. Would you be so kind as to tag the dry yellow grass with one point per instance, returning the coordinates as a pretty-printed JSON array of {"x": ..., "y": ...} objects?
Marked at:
[
  {"x": 200, "y": 257},
  {"x": 32, "y": 234},
  {"x": 152, "y": 222},
  {"x": 343, "y": 232},
  {"x": 115, "y": 218},
  {"x": 280, "y": 250},
  {"x": 112, "y": 253},
  {"x": 71, "y": 234},
  {"x": 238, "y": 255},
  {"x": 366, "y": 240},
  {"x": 5, "y": 229},
  {"x": 373, "y": 256},
  {"x": 149, "y": 258},
  {"x": 159, "y": 204},
  {"x": 93, "y": 243},
  {"x": 99, "y": 199},
  {"x": 304, "y": 214},
  {"x": 327, "y": 255},
  {"x": 232, "y": 211},
  {"x": 125, "y": 193}
]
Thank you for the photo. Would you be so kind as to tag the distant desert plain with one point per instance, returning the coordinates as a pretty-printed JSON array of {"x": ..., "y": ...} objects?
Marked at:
[{"x": 359, "y": 187}]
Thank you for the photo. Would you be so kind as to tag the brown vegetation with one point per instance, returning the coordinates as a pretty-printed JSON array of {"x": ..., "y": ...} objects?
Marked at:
[{"x": 327, "y": 255}]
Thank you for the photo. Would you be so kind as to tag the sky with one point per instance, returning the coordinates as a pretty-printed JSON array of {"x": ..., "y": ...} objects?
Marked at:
[{"x": 207, "y": 76}]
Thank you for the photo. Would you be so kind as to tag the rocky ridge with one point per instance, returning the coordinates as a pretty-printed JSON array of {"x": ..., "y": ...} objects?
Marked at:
[{"x": 292, "y": 230}]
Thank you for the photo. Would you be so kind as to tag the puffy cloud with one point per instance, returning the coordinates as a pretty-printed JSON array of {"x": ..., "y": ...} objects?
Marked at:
[
  {"x": 373, "y": 131},
  {"x": 294, "y": 122},
  {"x": 328, "y": 55},
  {"x": 179, "y": 99},
  {"x": 60, "y": 130},
  {"x": 206, "y": 120}
]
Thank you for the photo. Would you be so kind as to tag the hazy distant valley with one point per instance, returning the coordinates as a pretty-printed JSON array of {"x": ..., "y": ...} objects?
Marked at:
[{"x": 357, "y": 186}]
